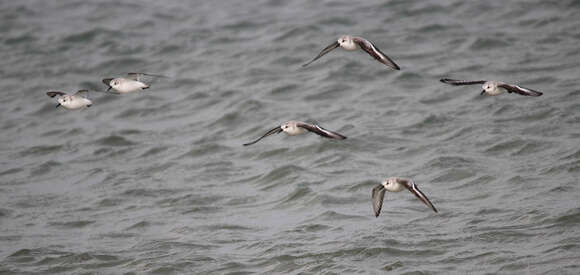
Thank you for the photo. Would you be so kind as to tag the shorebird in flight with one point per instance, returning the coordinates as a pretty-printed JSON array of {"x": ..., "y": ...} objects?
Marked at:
[
  {"x": 395, "y": 184},
  {"x": 352, "y": 43},
  {"x": 492, "y": 88},
  {"x": 133, "y": 82},
  {"x": 71, "y": 102},
  {"x": 293, "y": 128}
]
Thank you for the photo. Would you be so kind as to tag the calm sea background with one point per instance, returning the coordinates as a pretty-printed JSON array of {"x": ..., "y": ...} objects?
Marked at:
[{"x": 158, "y": 182}]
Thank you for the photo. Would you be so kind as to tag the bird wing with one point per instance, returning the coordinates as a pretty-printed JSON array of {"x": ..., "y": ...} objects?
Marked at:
[
  {"x": 377, "y": 197},
  {"x": 144, "y": 77},
  {"x": 373, "y": 51},
  {"x": 276, "y": 130},
  {"x": 519, "y": 90},
  {"x": 55, "y": 93},
  {"x": 412, "y": 187},
  {"x": 82, "y": 93},
  {"x": 323, "y": 52},
  {"x": 456, "y": 82},
  {"x": 320, "y": 131}
]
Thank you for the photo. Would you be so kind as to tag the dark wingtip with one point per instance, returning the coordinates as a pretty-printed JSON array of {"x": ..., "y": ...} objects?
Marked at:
[
  {"x": 434, "y": 209},
  {"x": 250, "y": 143},
  {"x": 444, "y": 80},
  {"x": 54, "y": 93}
]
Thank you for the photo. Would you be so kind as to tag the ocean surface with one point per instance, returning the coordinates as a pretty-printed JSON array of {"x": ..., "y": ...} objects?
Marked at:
[{"x": 158, "y": 182}]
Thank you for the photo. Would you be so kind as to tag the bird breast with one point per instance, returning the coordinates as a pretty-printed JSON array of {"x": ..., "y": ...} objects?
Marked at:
[
  {"x": 496, "y": 91},
  {"x": 128, "y": 86},
  {"x": 292, "y": 131},
  {"x": 76, "y": 103},
  {"x": 349, "y": 45},
  {"x": 394, "y": 187}
]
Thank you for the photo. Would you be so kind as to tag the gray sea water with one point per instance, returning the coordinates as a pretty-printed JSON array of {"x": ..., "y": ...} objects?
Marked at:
[{"x": 158, "y": 182}]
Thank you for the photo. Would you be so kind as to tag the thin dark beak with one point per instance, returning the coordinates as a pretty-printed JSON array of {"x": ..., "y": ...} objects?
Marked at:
[
  {"x": 482, "y": 92},
  {"x": 109, "y": 88},
  {"x": 107, "y": 81},
  {"x": 57, "y": 105}
]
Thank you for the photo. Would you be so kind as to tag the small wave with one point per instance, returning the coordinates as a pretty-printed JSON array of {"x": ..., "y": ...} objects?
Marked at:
[
  {"x": 297, "y": 32},
  {"x": 449, "y": 162},
  {"x": 11, "y": 171},
  {"x": 41, "y": 150},
  {"x": 475, "y": 182},
  {"x": 489, "y": 44},
  {"x": 73, "y": 224},
  {"x": 328, "y": 200},
  {"x": 204, "y": 150},
  {"x": 154, "y": 151},
  {"x": 109, "y": 202},
  {"x": 45, "y": 168},
  {"x": 86, "y": 36},
  {"x": 22, "y": 39},
  {"x": 434, "y": 28},
  {"x": 300, "y": 194},
  {"x": 336, "y": 21},
  {"x": 272, "y": 153},
  {"x": 335, "y": 216},
  {"x": 139, "y": 226},
  {"x": 227, "y": 227},
  {"x": 114, "y": 140},
  {"x": 505, "y": 146},
  {"x": 143, "y": 192},
  {"x": 228, "y": 119},
  {"x": 455, "y": 174},
  {"x": 279, "y": 176},
  {"x": 4, "y": 212},
  {"x": 311, "y": 228}
]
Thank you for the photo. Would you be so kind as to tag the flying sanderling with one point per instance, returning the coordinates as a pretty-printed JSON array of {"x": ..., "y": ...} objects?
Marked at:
[
  {"x": 133, "y": 82},
  {"x": 351, "y": 43},
  {"x": 395, "y": 184},
  {"x": 72, "y": 102},
  {"x": 293, "y": 128},
  {"x": 494, "y": 87}
]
